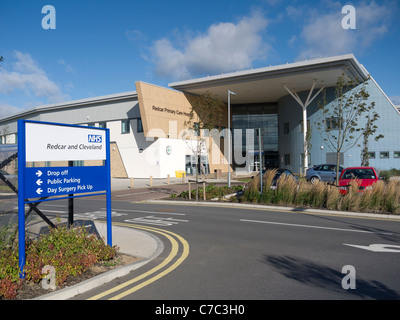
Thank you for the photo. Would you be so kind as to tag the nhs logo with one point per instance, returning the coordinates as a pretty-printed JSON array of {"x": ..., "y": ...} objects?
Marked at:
[{"x": 95, "y": 138}]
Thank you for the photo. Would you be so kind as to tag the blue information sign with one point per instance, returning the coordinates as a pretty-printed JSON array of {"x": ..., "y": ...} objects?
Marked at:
[
  {"x": 58, "y": 181},
  {"x": 46, "y": 142}
]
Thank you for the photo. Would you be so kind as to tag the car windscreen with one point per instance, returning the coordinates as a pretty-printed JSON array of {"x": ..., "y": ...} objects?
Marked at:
[{"x": 359, "y": 174}]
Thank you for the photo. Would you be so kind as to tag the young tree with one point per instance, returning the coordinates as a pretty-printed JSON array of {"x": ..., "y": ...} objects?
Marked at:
[
  {"x": 206, "y": 113},
  {"x": 369, "y": 130},
  {"x": 340, "y": 123}
]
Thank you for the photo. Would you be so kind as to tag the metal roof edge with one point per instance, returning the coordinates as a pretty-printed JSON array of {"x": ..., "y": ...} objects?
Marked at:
[
  {"x": 287, "y": 68},
  {"x": 71, "y": 104}
]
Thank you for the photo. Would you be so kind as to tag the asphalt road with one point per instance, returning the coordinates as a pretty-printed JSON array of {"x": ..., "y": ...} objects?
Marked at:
[
  {"x": 233, "y": 253},
  {"x": 252, "y": 254}
]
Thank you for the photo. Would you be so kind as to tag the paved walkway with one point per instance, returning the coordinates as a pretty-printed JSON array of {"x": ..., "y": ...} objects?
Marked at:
[{"x": 118, "y": 184}]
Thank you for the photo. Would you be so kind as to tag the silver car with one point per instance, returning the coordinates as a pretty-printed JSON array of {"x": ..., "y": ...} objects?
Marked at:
[{"x": 323, "y": 172}]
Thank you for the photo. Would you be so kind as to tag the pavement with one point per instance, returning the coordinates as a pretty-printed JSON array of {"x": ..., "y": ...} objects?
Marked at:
[
  {"x": 131, "y": 241},
  {"x": 118, "y": 184}
]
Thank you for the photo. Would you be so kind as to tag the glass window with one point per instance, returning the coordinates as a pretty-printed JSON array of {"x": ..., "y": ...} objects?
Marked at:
[
  {"x": 332, "y": 123},
  {"x": 103, "y": 124},
  {"x": 78, "y": 163},
  {"x": 239, "y": 109},
  {"x": 196, "y": 128},
  {"x": 396, "y": 154},
  {"x": 125, "y": 126},
  {"x": 384, "y": 155},
  {"x": 252, "y": 117},
  {"x": 371, "y": 155},
  {"x": 255, "y": 109},
  {"x": 359, "y": 174}
]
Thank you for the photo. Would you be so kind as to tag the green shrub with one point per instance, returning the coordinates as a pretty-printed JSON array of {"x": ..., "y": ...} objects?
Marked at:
[
  {"x": 252, "y": 193},
  {"x": 70, "y": 251},
  {"x": 382, "y": 197},
  {"x": 267, "y": 195},
  {"x": 7, "y": 234},
  {"x": 387, "y": 174}
]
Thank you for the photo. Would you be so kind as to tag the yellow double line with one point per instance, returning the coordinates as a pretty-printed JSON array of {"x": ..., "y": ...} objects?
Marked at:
[{"x": 174, "y": 252}]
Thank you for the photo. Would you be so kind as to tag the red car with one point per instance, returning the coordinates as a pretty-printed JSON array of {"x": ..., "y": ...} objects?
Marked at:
[{"x": 365, "y": 176}]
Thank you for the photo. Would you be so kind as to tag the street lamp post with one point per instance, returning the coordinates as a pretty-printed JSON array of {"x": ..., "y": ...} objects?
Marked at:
[{"x": 229, "y": 136}]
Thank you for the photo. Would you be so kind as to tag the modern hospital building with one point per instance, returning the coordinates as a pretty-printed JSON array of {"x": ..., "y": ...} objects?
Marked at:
[{"x": 148, "y": 126}]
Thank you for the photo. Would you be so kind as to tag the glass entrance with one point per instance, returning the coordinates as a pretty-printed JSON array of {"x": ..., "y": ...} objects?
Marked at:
[{"x": 255, "y": 116}]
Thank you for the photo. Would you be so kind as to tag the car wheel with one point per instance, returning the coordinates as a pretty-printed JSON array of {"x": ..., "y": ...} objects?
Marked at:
[{"x": 314, "y": 180}]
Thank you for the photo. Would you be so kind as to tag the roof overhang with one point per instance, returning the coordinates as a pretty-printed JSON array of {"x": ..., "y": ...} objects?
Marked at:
[{"x": 266, "y": 84}]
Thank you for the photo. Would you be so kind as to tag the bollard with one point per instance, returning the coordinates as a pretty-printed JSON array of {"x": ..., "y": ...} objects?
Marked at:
[
  {"x": 204, "y": 191},
  {"x": 151, "y": 181},
  {"x": 168, "y": 179},
  {"x": 183, "y": 177},
  {"x": 190, "y": 192},
  {"x": 131, "y": 183}
]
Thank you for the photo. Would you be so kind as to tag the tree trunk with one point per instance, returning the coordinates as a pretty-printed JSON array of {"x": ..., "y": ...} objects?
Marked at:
[{"x": 337, "y": 167}]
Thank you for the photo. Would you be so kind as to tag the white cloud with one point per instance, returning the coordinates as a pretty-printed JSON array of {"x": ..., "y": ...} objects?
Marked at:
[
  {"x": 224, "y": 47},
  {"x": 323, "y": 35},
  {"x": 27, "y": 76},
  {"x": 67, "y": 67}
]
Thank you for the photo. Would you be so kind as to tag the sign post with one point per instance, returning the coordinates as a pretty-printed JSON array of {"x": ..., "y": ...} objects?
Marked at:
[{"x": 46, "y": 142}]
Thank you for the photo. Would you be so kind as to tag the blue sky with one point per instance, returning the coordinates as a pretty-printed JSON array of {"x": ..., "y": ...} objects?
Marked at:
[{"x": 102, "y": 47}]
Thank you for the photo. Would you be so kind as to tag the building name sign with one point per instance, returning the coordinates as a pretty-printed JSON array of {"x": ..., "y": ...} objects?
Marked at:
[
  {"x": 73, "y": 146},
  {"x": 48, "y": 142},
  {"x": 171, "y": 111}
]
